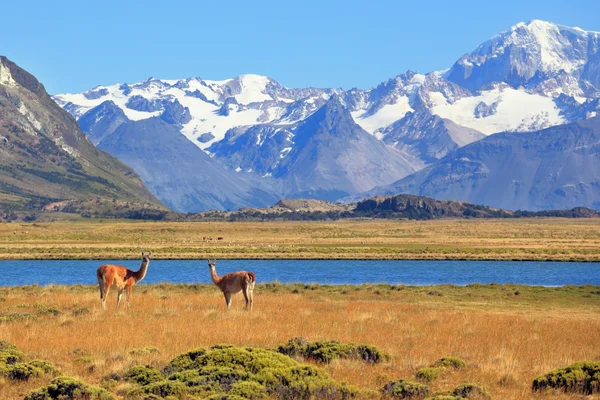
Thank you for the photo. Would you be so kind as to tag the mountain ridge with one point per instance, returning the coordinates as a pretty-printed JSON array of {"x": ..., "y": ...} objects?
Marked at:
[
  {"x": 45, "y": 157},
  {"x": 532, "y": 76}
]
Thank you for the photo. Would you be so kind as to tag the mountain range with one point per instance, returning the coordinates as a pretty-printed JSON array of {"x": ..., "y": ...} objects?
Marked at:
[{"x": 247, "y": 141}]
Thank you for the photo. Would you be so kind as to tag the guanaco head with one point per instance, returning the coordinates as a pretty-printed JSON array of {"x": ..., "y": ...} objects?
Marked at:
[
  {"x": 146, "y": 256},
  {"x": 211, "y": 264}
]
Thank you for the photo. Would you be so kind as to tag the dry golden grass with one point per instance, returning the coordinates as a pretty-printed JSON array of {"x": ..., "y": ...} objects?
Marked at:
[
  {"x": 506, "y": 338},
  {"x": 500, "y": 239}
]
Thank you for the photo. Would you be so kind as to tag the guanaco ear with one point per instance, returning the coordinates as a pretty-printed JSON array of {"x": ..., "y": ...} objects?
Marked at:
[{"x": 142, "y": 254}]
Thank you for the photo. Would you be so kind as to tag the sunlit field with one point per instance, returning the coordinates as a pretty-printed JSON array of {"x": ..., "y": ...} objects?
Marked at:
[
  {"x": 506, "y": 334},
  {"x": 494, "y": 239}
]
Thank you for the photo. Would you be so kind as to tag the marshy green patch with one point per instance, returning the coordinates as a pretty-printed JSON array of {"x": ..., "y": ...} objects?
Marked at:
[
  {"x": 581, "y": 377},
  {"x": 328, "y": 350}
]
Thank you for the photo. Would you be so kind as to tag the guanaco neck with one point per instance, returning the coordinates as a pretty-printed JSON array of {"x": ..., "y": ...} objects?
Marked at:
[
  {"x": 141, "y": 273},
  {"x": 213, "y": 274}
]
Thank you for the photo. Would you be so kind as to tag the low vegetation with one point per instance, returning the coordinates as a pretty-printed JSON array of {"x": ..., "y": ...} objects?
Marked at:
[
  {"x": 224, "y": 371},
  {"x": 15, "y": 366},
  {"x": 167, "y": 342},
  {"x": 69, "y": 388},
  {"x": 483, "y": 239},
  {"x": 402, "y": 389},
  {"x": 580, "y": 377},
  {"x": 328, "y": 350}
]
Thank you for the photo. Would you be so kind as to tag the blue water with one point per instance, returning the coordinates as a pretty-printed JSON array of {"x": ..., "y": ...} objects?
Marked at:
[{"x": 68, "y": 272}]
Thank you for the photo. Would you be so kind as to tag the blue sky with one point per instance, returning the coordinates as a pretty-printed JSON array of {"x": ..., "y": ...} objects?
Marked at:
[{"x": 71, "y": 46}]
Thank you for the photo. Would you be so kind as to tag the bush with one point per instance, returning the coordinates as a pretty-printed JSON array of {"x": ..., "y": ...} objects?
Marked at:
[
  {"x": 144, "y": 375},
  {"x": 161, "y": 389},
  {"x": 450, "y": 362},
  {"x": 402, "y": 389},
  {"x": 10, "y": 354},
  {"x": 471, "y": 391},
  {"x": 185, "y": 361},
  {"x": 69, "y": 388},
  {"x": 581, "y": 377},
  {"x": 14, "y": 365},
  {"x": 325, "y": 351},
  {"x": 228, "y": 372},
  {"x": 23, "y": 371},
  {"x": 249, "y": 390},
  {"x": 428, "y": 374}
]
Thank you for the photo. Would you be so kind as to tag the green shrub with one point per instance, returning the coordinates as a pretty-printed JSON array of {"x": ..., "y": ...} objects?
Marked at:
[
  {"x": 161, "y": 389},
  {"x": 69, "y": 388},
  {"x": 326, "y": 351},
  {"x": 23, "y": 371},
  {"x": 10, "y": 354},
  {"x": 450, "y": 362},
  {"x": 428, "y": 374},
  {"x": 14, "y": 365},
  {"x": 144, "y": 374},
  {"x": 46, "y": 366},
  {"x": 581, "y": 377},
  {"x": 471, "y": 391},
  {"x": 228, "y": 372},
  {"x": 185, "y": 361},
  {"x": 402, "y": 389},
  {"x": 249, "y": 390}
]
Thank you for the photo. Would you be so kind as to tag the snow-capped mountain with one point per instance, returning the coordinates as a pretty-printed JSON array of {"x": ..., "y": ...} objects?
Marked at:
[
  {"x": 532, "y": 76},
  {"x": 533, "y": 55}
]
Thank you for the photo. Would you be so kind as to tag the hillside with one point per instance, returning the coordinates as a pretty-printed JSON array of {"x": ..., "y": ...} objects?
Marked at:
[
  {"x": 45, "y": 157},
  {"x": 554, "y": 168}
]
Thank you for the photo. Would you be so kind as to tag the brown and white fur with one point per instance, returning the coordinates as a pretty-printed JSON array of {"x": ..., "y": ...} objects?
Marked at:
[
  {"x": 234, "y": 282},
  {"x": 123, "y": 278}
]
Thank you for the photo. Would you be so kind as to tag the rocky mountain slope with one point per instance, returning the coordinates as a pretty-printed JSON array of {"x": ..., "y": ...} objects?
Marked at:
[
  {"x": 158, "y": 151},
  {"x": 532, "y": 76},
  {"x": 555, "y": 168},
  {"x": 45, "y": 157}
]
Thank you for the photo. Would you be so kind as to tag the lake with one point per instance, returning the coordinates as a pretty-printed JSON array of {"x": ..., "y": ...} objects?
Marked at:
[{"x": 409, "y": 272}]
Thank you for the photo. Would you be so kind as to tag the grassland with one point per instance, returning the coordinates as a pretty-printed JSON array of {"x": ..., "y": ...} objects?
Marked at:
[
  {"x": 506, "y": 334},
  {"x": 556, "y": 239}
]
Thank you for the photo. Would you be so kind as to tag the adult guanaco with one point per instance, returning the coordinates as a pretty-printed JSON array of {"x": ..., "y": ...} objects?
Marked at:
[
  {"x": 123, "y": 278},
  {"x": 234, "y": 282}
]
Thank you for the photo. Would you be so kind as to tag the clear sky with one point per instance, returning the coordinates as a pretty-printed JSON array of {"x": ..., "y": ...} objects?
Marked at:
[{"x": 71, "y": 46}]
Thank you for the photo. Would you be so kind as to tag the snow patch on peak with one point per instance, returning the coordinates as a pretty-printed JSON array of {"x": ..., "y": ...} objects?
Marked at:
[
  {"x": 251, "y": 89},
  {"x": 385, "y": 116}
]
